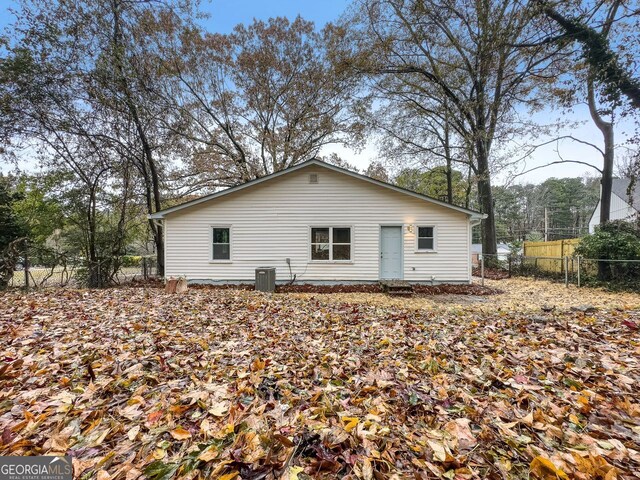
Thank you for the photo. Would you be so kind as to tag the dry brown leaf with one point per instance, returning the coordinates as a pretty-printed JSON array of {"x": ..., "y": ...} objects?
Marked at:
[
  {"x": 330, "y": 385},
  {"x": 180, "y": 433},
  {"x": 543, "y": 468}
]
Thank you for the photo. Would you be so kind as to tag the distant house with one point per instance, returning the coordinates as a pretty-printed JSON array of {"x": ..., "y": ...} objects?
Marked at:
[
  {"x": 476, "y": 250},
  {"x": 321, "y": 223},
  {"x": 622, "y": 207}
]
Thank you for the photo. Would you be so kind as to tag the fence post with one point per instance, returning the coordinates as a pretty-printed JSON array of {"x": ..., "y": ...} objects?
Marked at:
[
  {"x": 26, "y": 266},
  {"x": 482, "y": 270},
  {"x": 566, "y": 271},
  {"x": 578, "y": 271},
  {"x": 573, "y": 268}
]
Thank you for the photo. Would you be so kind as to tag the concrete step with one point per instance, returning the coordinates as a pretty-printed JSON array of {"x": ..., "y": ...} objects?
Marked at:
[{"x": 397, "y": 287}]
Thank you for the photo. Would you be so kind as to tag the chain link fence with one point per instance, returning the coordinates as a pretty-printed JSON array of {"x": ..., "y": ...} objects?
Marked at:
[
  {"x": 64, "y": 271},
  {"x": 574, "y": 270}
]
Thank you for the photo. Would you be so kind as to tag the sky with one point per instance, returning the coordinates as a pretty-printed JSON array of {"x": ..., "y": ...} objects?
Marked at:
[{"x": 225, "y": 14}]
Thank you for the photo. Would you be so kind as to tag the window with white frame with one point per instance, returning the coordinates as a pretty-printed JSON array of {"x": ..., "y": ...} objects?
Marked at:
[
  {"x": 331, "y": 243},
  {"x": 426, "y": 238},
  {"x": 221, "y": 248}
]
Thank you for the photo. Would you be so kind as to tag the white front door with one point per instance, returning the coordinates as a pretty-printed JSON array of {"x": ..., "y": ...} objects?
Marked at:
[{"x": 391, "y": 253}]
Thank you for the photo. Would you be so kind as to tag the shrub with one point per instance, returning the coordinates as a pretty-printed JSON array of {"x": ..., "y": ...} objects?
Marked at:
[
  {"x": 131, "y": 261},
  {"x": 617, "y": 240}
]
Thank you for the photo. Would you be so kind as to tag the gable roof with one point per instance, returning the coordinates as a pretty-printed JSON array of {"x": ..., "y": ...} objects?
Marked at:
[
  {"x": 161, "y": 214},
  {"x": 620, "y": 186}
]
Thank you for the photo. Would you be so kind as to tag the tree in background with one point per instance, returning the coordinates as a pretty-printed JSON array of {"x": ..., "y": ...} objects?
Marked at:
[
  {"x": 377, "y": 171},
  {"x": 457, "y": 62},
  {"x": 410, "y": 137},
  {"x": 567, "y": 204},
  {"x": 38, "y": 207},
  {"x": 256, "y": 101},
  {"x": 612, "y": 70},
  {"x": 12, "y": 231},
  {"x": 54, "y": 70},
  {"x": 518, "y": 210},
  {"x": 77, "y": 81},
  {"x": 593, "y": 74},
  {"x": 338, "y": 161},
  {"x": 570, "y": 203},
  {"x": 435, "y": 183}
]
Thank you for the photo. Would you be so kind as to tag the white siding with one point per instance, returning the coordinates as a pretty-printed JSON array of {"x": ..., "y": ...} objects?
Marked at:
[
  {"x": 595, "y": 218},
  {"x": 620, "y": 210},
  {"x": 271, "y": 221}
]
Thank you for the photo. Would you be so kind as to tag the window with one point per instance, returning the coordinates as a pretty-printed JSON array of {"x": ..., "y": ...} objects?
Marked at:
[
  {"x": 221, "y": 243},
  {"x": 426, "y": 238},
  {"x": 320, "y": 244},
  {"x": 331, "y": 243}
]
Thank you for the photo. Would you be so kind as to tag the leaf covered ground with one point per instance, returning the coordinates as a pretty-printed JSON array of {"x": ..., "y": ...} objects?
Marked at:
[{"x": 135, "y": 383}]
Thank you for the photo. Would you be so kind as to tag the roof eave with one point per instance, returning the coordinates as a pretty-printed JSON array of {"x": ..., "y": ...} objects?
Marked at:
[{"x": 160, "y": 215}]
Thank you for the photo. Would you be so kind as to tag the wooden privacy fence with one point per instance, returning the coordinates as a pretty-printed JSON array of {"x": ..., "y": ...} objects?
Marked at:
[{"x": 550, "y": 254}]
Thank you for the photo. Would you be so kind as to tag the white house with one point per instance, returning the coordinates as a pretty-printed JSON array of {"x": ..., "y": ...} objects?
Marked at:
[
  {"x": 622, "y": 207},
  {"x": 503, "y": 251},
  {"x": 321, "y": 223}
]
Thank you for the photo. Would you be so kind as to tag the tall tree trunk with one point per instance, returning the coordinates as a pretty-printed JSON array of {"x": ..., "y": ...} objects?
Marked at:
[
  {"x": 159, "y": 243},
  {"x": 149, "y": 167},
  {"x": 485, "y": 198},
  {"x": 483, "y": 129},
  {"x": 447, "y": 154},
  {"x": 607, "y": 168},
  {"x": 467, "y": 193},
  {"x": 93, "y": 267},
  {"x": 156, "y": 228},
  {"x": 608, "y": 158},
  {"x": 449, "y": 178}
]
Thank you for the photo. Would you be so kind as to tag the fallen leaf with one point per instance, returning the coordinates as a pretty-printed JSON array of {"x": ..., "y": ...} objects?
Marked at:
[
  {"x": 229, "y": 476},
  {"x": 294, "y": 471},
  {"x": 218, "y": 409},
  {"x": 180, "y": 433},
  {"x": 103, "y": 475},
  {"x": 439, "y": 451},
  {"x": 209, "y": 454},
  {"x": 133, "y": 432},
  {"x": 544, "y": 469},
  {"x": 367, "y": 469}
]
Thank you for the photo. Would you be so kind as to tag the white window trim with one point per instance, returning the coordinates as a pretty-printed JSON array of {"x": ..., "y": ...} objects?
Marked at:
[
  {"x": 211, "y": 259},
  {"x": 331, "y": 260},
  {"x": 435, "y": 239}
]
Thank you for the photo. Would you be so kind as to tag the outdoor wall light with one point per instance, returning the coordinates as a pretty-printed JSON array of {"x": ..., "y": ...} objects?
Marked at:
[{"x": 410, "y": 228}]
